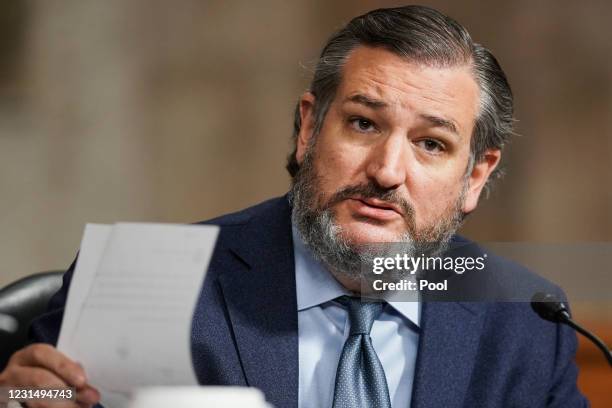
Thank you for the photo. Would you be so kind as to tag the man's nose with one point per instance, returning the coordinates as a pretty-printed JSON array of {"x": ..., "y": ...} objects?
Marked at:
[{"x": 388, "y": 161}]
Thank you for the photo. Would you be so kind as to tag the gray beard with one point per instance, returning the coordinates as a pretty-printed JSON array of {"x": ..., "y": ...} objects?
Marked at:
[{"x": 314, "y": 218}]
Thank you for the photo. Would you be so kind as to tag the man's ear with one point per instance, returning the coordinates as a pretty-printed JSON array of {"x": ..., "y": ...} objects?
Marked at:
[
  {"x": 307, "y": 125},
  {"x": 478, "y": 178}
]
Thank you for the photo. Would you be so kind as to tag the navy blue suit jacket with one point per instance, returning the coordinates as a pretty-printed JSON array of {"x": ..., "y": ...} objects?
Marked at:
[{"x": 471, "y": 354}]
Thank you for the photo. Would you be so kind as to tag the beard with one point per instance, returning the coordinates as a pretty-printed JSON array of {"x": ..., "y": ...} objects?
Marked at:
[{"x": 314, "y": 218}]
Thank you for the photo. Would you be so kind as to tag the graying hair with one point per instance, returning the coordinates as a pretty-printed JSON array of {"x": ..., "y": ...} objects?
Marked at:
[{"x": 428, "y": 37}]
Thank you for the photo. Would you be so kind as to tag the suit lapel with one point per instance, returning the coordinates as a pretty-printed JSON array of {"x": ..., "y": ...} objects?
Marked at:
[
  {"x": 262, "y": 306},
  {"x": 448, "y": 344}
]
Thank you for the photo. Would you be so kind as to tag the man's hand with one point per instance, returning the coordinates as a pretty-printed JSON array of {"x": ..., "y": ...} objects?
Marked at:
[{"x": 41, "y": 365}]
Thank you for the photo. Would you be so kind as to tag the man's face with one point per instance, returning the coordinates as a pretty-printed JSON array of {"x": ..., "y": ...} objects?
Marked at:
[{"x": 400, "y": 131}]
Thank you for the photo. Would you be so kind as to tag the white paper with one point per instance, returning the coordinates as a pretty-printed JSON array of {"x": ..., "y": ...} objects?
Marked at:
[
  {"x": 131, "y": 302},
  {"x": 92, "y": 247}
]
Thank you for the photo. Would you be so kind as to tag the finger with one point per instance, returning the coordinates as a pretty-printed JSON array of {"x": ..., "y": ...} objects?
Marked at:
[
  {"x": 34, "y": 377},
  {"x": 45, "y": 379},
  {"x": 88, "y": 396},
  {"x": 46, "y": 356},
  {"x": 40, "y": 377}
]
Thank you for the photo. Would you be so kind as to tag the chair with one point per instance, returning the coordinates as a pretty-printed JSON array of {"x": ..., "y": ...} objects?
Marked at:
[{"x": 20, "y": 303}]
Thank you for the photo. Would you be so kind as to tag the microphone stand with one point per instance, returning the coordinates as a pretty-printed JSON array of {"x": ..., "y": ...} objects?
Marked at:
[
  {"x": 550, "y": 308},
  {"x": 596, "y": 340}
]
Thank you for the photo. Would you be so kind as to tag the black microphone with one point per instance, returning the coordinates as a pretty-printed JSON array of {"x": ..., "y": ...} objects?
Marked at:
[{"x": 550, "y": 308}]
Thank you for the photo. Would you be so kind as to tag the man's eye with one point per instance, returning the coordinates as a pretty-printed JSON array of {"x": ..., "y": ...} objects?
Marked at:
[
  {"x": 431, "y": 145},
  {"x": 362, "y": 125}
]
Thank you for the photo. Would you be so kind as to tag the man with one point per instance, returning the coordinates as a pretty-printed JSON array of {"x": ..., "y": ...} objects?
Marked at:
[{"x": 395, "y": 141}]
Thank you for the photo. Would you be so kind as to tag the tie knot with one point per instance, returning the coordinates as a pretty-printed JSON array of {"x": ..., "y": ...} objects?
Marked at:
[{"x": 362, "y": 313}]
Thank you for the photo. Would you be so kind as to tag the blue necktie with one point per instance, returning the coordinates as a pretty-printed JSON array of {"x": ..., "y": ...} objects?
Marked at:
[{"x": 360, "y": 379}]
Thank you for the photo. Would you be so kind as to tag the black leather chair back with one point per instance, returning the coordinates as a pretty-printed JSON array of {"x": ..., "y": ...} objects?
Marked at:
[{"x": 20, "y": 303}]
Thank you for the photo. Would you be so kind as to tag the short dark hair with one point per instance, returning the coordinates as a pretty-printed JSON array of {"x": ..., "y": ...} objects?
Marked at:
[{"x": 428, "y": 37}]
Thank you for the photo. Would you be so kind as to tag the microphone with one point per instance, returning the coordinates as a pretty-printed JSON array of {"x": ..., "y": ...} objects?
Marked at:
[{"x": 550, "y": 308}]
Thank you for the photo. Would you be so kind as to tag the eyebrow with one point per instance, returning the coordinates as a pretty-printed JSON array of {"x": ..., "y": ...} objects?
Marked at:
[
  {"x": 437, "y": 121},
  {"x": 374, "y": 103},
  {"x": 367, "y": 101}
]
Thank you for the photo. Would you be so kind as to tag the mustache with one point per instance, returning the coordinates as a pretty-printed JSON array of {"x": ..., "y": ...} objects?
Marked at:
[{"x": 371, "y": 190}]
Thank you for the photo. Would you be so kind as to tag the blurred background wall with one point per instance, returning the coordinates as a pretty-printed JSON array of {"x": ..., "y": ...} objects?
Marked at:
[{"x": 178, "y": 111}]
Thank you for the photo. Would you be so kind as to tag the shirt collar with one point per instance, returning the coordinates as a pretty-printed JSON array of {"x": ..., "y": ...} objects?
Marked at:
[{"x": 315, "y": 285}]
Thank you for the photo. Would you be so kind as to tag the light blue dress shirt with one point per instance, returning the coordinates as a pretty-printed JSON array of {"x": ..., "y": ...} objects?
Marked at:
[{"x": 323, "y": 328}]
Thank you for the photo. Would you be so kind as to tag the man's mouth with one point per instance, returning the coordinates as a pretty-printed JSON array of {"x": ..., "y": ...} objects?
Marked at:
[{"x": 376, "y": 208}]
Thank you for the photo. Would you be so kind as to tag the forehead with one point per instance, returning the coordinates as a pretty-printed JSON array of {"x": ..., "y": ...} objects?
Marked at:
[{"x": 410, "y": 88}]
